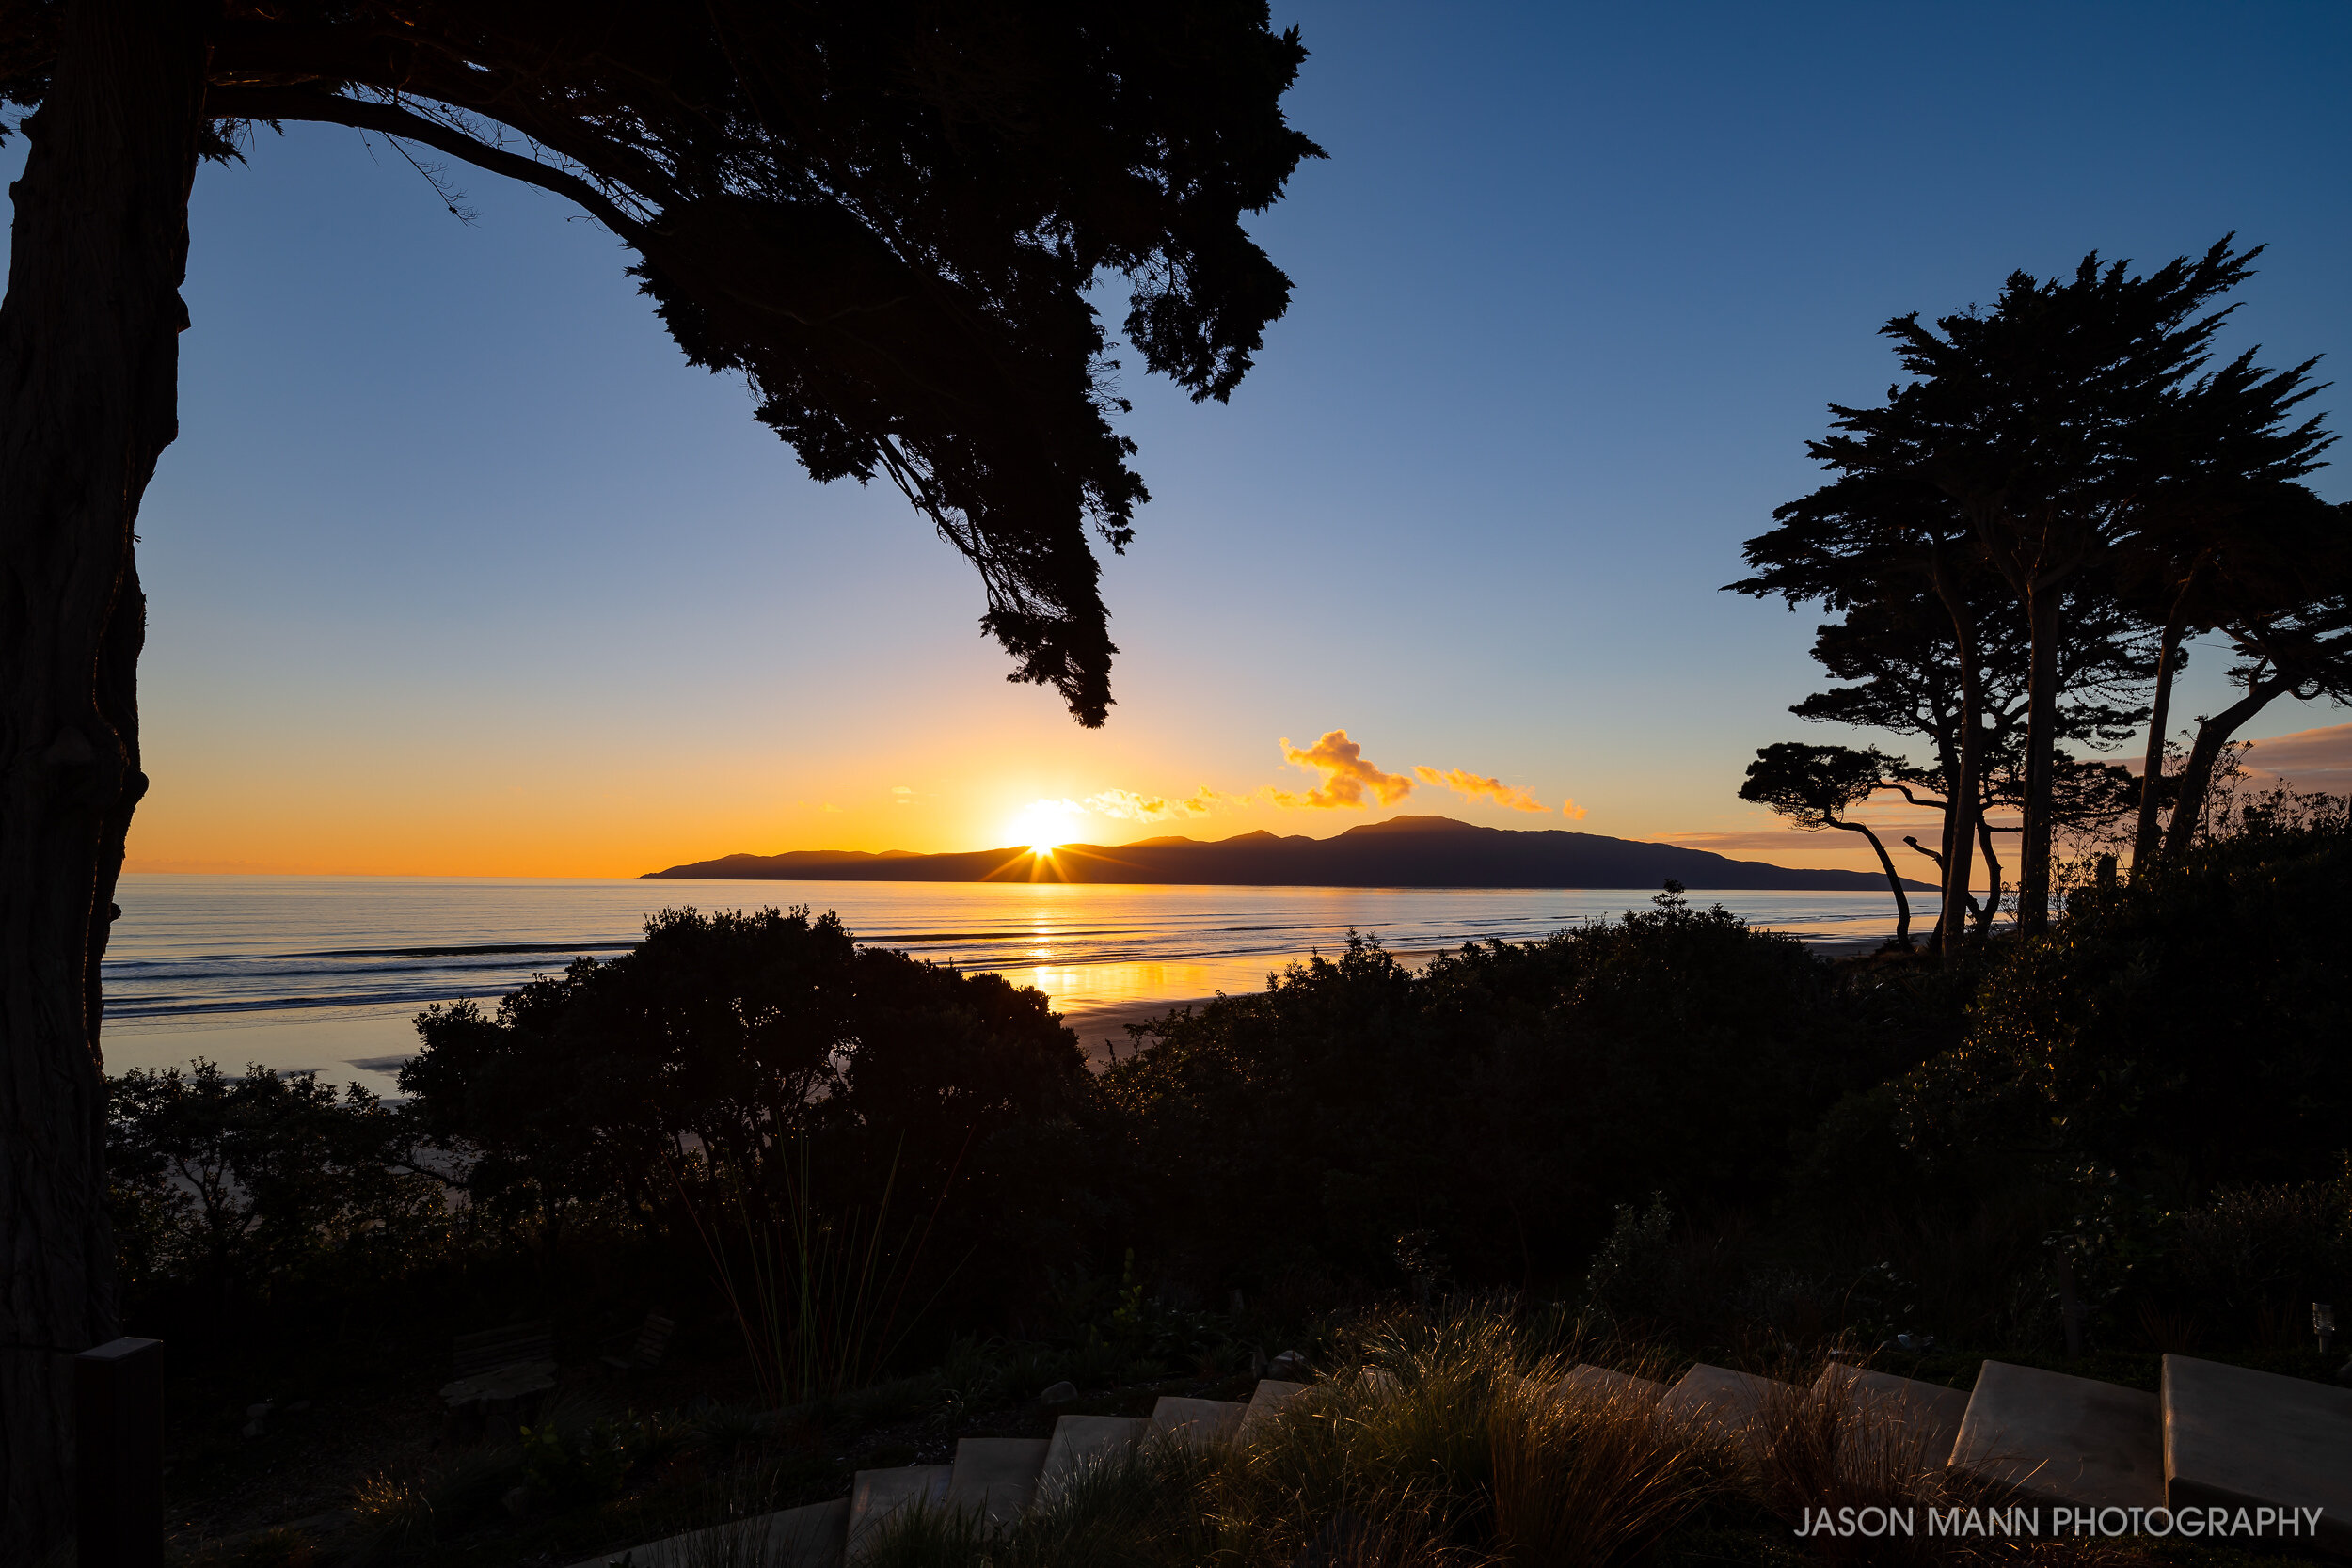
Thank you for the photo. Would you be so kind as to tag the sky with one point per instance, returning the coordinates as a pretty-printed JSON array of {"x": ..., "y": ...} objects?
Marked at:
[{"x": 457, "y": 568}]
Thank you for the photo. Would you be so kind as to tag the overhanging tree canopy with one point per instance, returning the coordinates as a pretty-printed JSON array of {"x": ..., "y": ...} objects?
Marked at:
[{"x": 887, "y": 215}]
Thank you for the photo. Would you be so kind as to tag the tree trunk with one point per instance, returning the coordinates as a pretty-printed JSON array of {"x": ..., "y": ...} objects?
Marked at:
[
  {"x": 88, "y": 366},
  {"x": 1961, "y": 822},
  {"x": 1992, "y": 909},
  {"x": 1902, "y": 903},
  {"x": 2197, "y": 778},
  {"x": 2152, "y": 772},
  {"x": 2033, "y": 854}
]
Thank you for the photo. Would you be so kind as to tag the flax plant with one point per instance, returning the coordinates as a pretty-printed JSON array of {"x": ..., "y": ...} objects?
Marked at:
[{"x": 821, "y": 1299}]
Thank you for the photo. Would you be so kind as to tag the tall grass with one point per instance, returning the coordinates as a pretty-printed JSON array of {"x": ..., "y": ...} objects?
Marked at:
[{"x": 819, "y": 1296}]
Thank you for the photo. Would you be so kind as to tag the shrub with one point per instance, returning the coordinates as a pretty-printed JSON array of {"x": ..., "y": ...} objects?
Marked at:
[
  {"x": 245, "y": 1187},
  {"x": 2183, "y": 1031}
]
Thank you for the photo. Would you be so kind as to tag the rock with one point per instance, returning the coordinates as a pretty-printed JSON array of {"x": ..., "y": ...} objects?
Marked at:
[
  {"x": 259, "y": 1412},
  {"x": 1289, "y": 1367},
  {"x": 254, "y": 1429},
  {"x": 298, "y": 1404},
  {"x": 1064, "y": 1392},
  {"x": 517, "y": 1502}
]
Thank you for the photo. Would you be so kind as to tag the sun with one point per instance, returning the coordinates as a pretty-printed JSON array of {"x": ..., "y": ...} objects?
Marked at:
[{"x": 1044, "y": 825}]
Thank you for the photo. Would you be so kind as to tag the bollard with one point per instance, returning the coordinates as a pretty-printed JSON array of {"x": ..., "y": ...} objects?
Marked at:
[{"x": 118, "y": 1454}]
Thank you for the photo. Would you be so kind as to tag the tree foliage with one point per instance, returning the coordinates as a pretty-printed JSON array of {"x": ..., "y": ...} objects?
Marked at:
[
  {"x": 886, "y": 216},
  {"x": 739, "y": 1038}
]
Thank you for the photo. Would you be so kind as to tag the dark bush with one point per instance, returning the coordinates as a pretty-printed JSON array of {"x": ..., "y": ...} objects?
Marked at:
[
  {"x": 735, "y": 1036},
  {"x": 2184, "y": 1032},
  {"x": 1477, "y": 1122}
]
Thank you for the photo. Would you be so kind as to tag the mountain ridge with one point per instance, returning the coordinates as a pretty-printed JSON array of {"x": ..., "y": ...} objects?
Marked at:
[{"x": 1402, "y": 851}]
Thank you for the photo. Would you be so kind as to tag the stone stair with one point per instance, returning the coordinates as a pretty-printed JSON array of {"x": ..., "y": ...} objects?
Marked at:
[{"x": 2218, "y": 1436}]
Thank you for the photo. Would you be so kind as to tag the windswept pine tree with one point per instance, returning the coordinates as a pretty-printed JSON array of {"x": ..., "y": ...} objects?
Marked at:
[{"x": 886, "y": 215}]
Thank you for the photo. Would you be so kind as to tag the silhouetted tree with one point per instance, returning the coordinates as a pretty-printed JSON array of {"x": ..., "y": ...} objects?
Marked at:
[
  {"x": 731, "y": 1037},
  {"x": 2270, "y": 568},
  {"x": 1879, "y": 541},
  {"x": 2305, "y": 651},
  {"x": 1898, "y": 656},
  {"x": 1814, "y": 786},
  {"x": 888, "y": 215},
  {"x": 2055, "y": 420},
  {"x": 2062, "y": 429},
  {"x": 2221, "y": 526}
]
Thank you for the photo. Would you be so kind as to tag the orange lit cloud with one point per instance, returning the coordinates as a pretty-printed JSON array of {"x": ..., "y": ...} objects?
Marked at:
[
  {"x": 1129, "y": 806},
  {"x": 1347, "y": 776},
  {"x": 1573, "y": 812},
  {"x": 1477, "y": 788}
]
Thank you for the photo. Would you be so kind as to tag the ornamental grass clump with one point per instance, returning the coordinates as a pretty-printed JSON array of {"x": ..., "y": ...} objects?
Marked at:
[{"x": 1592, "y": 1474}]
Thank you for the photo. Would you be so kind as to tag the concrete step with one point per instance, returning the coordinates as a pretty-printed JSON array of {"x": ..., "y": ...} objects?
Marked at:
[
  {"x": 1080, "y": 1440},
  {"x": 1936, "y": 1412},
  {"x": 996, "y": 1476},
  {"x": 812, "y": 1537},
  {"x": 2237, "y": 1439},
  {"x": 876, "y": 1495},
  {"x": 2062, "y": 1440},
  {"x": 1587, "y": 1381},
  {"x": 1719, "y": 1396},
  {"x": 1195, "y": 1421},
  {"x": 1267, "y": 1399}
]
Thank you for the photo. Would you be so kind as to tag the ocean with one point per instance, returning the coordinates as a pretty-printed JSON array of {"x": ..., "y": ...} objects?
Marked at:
[{"x": 327, "y": 972}]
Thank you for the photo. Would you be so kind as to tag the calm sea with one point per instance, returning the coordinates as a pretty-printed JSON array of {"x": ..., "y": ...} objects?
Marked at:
[{"x": 327, "y": 972}]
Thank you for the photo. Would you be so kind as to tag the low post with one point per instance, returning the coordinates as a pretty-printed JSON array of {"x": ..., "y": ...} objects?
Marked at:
[
  {"x": 2070, "y": 1311},
  {"x": 118, "y": 1454}
]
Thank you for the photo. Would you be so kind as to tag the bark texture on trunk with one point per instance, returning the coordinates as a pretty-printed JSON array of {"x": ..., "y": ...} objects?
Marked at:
[
  {"x": 2144, "y": 841},
  {"x": 88, "y": 367},
  {"x": 2196, "y": 777}
]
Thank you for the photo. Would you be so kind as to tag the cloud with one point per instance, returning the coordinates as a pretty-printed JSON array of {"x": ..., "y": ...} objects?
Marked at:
[
  {"x": 1346, "y": 775},
  {"x": 2310, "y": 759},
  {"x": 1127, "y": 805},
  {"x": 1573, "y": 812},
  {"x": 1477, "y": 788}
]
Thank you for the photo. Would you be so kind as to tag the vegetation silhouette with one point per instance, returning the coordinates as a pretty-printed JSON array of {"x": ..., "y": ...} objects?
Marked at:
[
  {"x": 886, "y": 216},
  {"x": 1702, "y": 1137}
]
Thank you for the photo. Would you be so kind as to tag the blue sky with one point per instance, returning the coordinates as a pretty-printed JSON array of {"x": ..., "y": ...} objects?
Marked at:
[{"x": 457, "y": 567}]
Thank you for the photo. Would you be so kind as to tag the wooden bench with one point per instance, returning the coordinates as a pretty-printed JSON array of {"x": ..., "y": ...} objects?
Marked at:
[
  {"x": 500, "y": 1370},
  {"x": 647, "y": 1351},
  {"x": 472, "y": 1354}
]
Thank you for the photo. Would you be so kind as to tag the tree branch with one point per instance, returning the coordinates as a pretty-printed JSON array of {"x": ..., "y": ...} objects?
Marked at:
[{"x": 390, "y": 120}]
